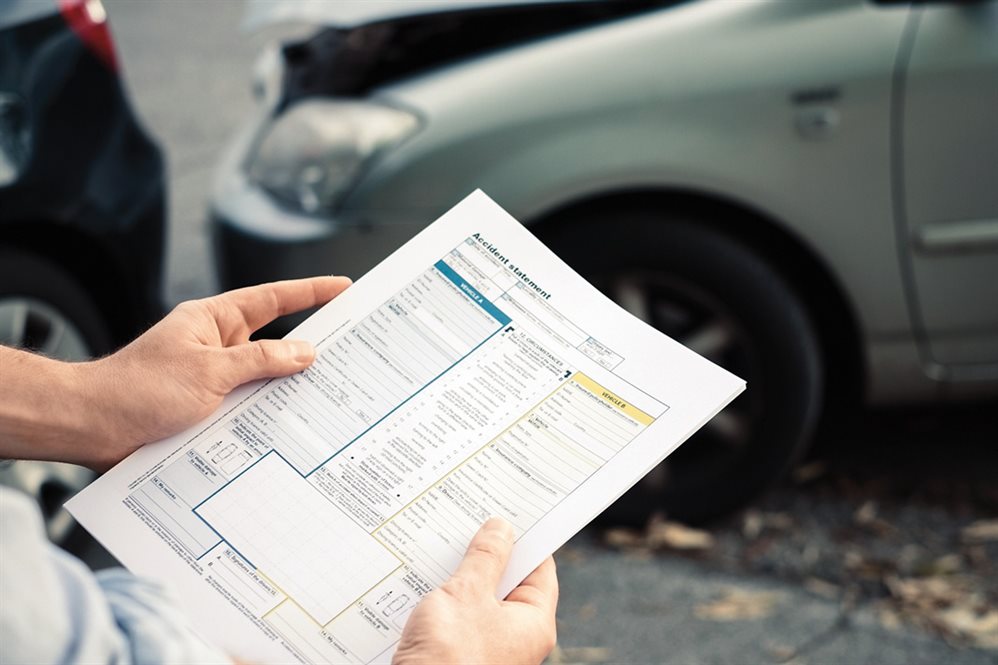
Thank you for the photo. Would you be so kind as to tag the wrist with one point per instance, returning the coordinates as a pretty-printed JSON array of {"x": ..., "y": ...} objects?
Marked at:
[
  {"x": 51, "y": 412},
  {"x": 93, "y": 416}
]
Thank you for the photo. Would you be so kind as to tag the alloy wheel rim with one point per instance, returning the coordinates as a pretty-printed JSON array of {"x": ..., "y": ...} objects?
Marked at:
[
  {"x": 29, "y": 323},
  {"x": 693, "y": 317}
]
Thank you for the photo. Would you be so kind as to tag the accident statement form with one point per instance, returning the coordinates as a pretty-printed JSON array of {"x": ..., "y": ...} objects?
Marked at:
[{"x": 471, "y": 374}]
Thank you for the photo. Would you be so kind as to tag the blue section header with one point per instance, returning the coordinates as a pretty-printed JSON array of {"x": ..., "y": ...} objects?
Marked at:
[{"x": 470, "y": 291}]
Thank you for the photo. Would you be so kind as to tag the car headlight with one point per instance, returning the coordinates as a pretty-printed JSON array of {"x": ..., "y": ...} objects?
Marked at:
[
  {"x": 312, "y": 154},
  {"x": 15, "y": 139}
]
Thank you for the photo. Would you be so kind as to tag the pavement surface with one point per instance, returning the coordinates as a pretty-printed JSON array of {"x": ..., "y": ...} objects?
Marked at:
[
  {"x": 815, "y": 573},
  {"x": 621, "y": 608},
  {"x": 866, "y": 554}
]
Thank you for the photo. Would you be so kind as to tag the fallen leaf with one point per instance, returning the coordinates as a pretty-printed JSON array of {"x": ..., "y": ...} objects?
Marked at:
[
  {"x": 822, "y": 588},
  {"x": 752, "y": 524},
  {"x": 780, "y": 652},
  {"x": 659, "y": 534},
  {"x": 867, "y": 568},
  {"x": 622, "y": 538},
  {"x": 981, "y": 531},
  {"x": 866, "y": 513},
  {"x": 571, "y": 655},
  {"x": 946, "y": 565},
  {"x": 952, "y": 605},
  {"x": 882, "y": 527},
  {"x": 796, "y": 660},
  {"x": 977, "y": 556},
  {"x": 569, "y": 555},
  {"x": 808, "y": 472},
  {"x": 927, "y": 592},
  {"x": 738, "y": 605},
  {"x": 677, "y": 536},
  {"x": 778, "y": 521},
  {"x": 638, "y": 553},
  {"x": 853, "y": 559},
  {"x": 978, "y": 628},
  {"x": 889, "y": 619},
  {"x": 758, "y": 548},
  {"x": 756, "y": 522}
]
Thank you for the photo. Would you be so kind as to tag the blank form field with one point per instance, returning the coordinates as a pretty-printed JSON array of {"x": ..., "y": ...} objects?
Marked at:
[{"x": 297, "y": 538}]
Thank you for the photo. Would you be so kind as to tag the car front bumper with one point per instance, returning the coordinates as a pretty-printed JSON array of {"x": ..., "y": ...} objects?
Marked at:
[{"x": 255, "y": 240}]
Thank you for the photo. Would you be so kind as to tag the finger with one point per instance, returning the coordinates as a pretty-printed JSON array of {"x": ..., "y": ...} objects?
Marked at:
[
  {"x": 540, "y": 588},
  {"x": 487, "y": 556},
  {"x": 259, "y": 305},
  {"x": 266, "y": 358}
]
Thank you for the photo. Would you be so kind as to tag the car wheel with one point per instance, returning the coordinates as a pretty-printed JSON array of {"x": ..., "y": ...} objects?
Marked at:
[
  {"x": 43, "y": 309},
  {"x": 722, "y": 300}
]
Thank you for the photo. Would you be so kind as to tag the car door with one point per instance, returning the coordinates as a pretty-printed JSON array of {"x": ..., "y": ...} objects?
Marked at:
[{"x": 947, "y": 150}]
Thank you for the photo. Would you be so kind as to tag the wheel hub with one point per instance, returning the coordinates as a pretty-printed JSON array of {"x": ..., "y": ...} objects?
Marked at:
[{"x": 29, "y": 323}]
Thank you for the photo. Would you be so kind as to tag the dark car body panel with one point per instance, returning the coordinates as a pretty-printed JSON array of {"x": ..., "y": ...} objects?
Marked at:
[{"x": 91, "y": 192}]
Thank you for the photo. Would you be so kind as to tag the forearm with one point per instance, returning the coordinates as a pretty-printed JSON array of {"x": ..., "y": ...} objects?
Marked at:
[
  {"x": 49, "y": 409},
  {"x": 175, "y": 374}
]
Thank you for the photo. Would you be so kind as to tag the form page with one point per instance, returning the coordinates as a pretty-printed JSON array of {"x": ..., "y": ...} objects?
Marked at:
[{"x": 470, "y": 375}]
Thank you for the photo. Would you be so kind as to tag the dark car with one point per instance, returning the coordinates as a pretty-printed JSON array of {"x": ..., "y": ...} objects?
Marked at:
[
  {"x": 81, "y": 199},
  {"x": 81, "y": 186}
]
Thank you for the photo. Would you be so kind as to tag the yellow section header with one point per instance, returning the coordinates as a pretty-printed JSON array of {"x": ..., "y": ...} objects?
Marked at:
[{"x": 613, "y": 400}]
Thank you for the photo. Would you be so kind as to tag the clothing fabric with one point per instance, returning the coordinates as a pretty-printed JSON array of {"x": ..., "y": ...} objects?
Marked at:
[{"x": 53, "y": 609}]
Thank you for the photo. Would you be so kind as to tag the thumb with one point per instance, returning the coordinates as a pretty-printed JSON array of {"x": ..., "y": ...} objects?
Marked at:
[
  {"x": 268, "y": 357},
  {"x": 487, "y": 556}
]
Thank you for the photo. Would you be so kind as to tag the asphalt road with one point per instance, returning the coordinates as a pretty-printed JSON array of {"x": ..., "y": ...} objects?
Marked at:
[
  {"x": 621, "y": 608},
  {"x": 188, "y": 68}
]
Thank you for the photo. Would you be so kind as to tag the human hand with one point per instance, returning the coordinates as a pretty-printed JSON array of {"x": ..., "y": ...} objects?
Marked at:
[
  {"x": 463, "y": 622},
  {"x": 178, "y": 371}
]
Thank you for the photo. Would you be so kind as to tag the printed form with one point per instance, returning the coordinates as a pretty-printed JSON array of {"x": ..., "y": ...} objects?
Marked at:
[{"x": 470, "y": 374}]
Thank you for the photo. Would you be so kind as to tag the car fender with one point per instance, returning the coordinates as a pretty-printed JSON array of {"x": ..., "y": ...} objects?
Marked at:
[{"x": 668, "y": 100}]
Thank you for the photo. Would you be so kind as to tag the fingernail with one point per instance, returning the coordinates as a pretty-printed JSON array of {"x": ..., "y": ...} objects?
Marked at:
[
  {"x": 499, "y": 526},
  {"x": 302, "y": 351}
]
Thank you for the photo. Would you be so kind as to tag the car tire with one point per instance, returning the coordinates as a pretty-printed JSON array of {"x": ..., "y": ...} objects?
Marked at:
[
  {"x": 31, "y": 280},
  {"x": 714, "y": 293},
  {"x": 44, "y": 309}
]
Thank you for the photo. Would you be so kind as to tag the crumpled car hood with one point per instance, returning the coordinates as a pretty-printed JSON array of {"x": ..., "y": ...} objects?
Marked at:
[
  {"x": 363, "y": 44},
  {"x": 352, "y": 13}
]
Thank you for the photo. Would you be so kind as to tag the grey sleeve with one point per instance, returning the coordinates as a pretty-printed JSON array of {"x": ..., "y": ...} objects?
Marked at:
[{"x": 53, "y": 609}]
